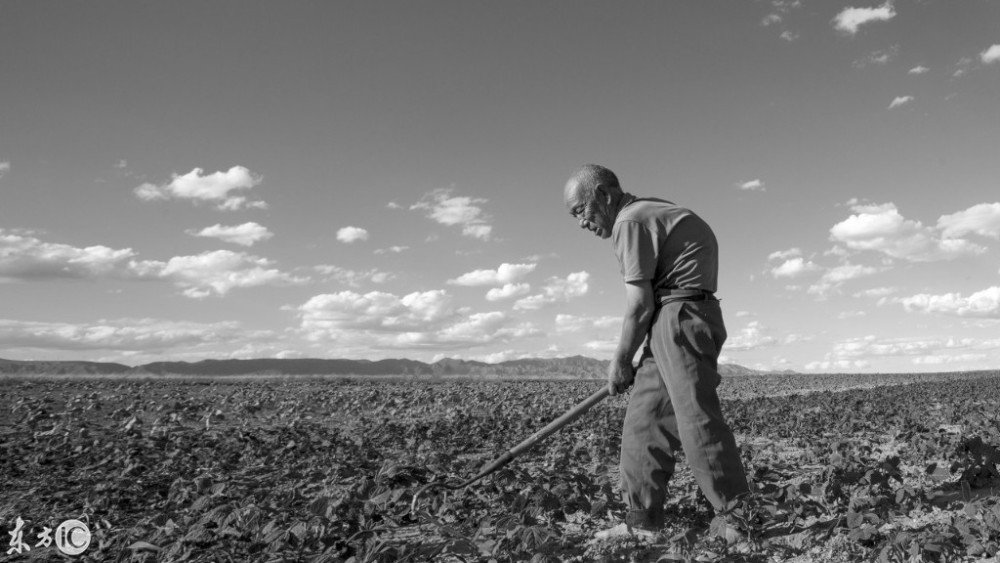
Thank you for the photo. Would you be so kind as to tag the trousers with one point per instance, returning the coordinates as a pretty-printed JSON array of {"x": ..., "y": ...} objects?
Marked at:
[{"x": 674, "y": 405}]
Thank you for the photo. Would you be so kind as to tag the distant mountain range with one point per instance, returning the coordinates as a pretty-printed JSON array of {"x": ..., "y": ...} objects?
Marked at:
[{"x": 575, "y": 367}]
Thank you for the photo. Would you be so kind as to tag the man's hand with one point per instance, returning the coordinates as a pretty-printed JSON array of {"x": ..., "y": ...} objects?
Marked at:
[{"x": 620, "y": 377}]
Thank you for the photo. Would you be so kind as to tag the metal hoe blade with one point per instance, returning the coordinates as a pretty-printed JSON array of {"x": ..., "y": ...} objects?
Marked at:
[{"x": 548, "y": 430}]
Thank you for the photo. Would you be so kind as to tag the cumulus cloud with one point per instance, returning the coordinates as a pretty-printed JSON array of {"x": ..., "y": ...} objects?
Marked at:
[
  {"x": 834, "y": 278},
  {"x": 123, "y": 335},
  {"x": 753, "y": 186},
  {"x": 789, "y": 35},
  {"x": 919, "y": 69},
  {"x": 770, "y": 19},
  {"x": 753, "y": 336},
  {"x": 982, "y": 219},
  {"x": 219, "y": 188},
  {"x": 900, "y": 101},
  {"x": 246, "y": 234},
  {"x": 504, "y": 274},
  {"x": 576, "y": 323},
  {"x": 351, "y": 234},
  {"x": 785, "y": 254},
  {"x": 850, "y": 19},
  {"x": 441, "y": 206},
  {"x": 881, "y": 228},
  {"x": 556, "y": 290},
  {"x": 794, "y": 267},
  {"x": 990, "y": 55},
  {"x": 4, "y": 168},
  {"x": 216, "y": 272},
  {"x": 857, "y": 353},
  {"x": 981, "y": 304},
  {"x": 878, "y": 58},
  {"x": 507, "y": 291},
  {"x": 419, "y": 320},
  {"x": 393, "y": 249},
  {"x": 24, "y": 257},
  {"x": 353, "y": 278}
]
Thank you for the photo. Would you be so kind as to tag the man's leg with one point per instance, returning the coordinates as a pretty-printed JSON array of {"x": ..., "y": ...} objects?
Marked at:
[
  {"x": 686, "y": 339},
  {"x": 649, "y": 440}
]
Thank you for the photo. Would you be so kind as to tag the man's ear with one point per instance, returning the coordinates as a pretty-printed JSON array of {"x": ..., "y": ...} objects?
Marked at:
[{"x": 603, "y": 195}]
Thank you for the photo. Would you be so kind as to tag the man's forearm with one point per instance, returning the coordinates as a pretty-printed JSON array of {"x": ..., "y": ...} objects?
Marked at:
[{"x": 638, "y": 314}]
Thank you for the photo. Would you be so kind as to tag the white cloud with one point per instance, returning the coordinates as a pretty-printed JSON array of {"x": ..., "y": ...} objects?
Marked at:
[
  {"x": 882, "y": 229},
  {"x": 246, "y": 234},
  {"x": 770, "y": 19},
  {"x": 850, "y": 19},
  {"x": 880, "y": 57},
  {"x": 217, "y": 272},
  {"x": 900, "y": 101},
  {"x": 556, "y": 290},
  {"x": 353, "y": 278},
  {"x": 507, "y": 291},
  {"x": 123, "y": 335},
  {"x": 351, "y": 234},
  {"x": 752, "y": 185},
  {"x": 393, "y": 249},
  {"x": 990, "y": 55},
  {"x": 750, "y": 337},
  {"x": 25, "y": 257},
  {"x": 419, "y": 320},
  {"x": 784, "y": 254},
  {"x": 794, "y": 267},
  {"x": 450, "y": 210},
  {"x": 219, "y": 188},
  {"x": 962, "y": 67},
  {"x": 876, "y": 292},
  {"x": 789, "y": 35},
  {"x": 982, "y": 219},
  {"x": 857, "y": 353},
  {"x": 982, "y": 304},
  {"x": 393, "y": 205},
  {"x": 919, "y": 69},
  {"x": 4, "y": 168},
  {"x": 504, "y": 274}
]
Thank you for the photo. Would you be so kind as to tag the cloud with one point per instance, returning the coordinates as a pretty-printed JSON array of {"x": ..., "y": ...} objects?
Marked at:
[
  {"x": 121, "y": 164},
  {"x": 876, "y": 292},
  {"x": 246, "y": 234},
  {"x": 880, "y": 57},
  {"x": 23, "y": 257},
  {"x": 393, "y": 249},
  {"x": 919, "y": 69},
  {"x": 504, "y": 274},
  {"x": 900, "y": 101},
  {"x": 789, "y": 35},
  {"x": 450, "y": 210},
  {"x": 785, "y": 254},
  {"x": 4, "y": 168},
  {"x": 982, "y": 219},
  {"x": 556, "y": 290},
  {"x": 219, "y": 188},
  {"x": 351, "y": 234},
  {"x": 752, "y": 185},
  {"x": 750, "y": 337},
  {"x": 770, "y": 19},
  {"x": 850, "y": 19},
  {"x": 419, "y": 320},
  {"x": 991, "y": 55},
  {"x": 981, "y": 304},
  {"x": 881, "y": 228},
  {"x": 123, "y": 335},
  {"x": 218, "y": 272},
  {"x": 353, "y": 278},
  {"x": 794, "y": 267},
  {"x": 856, "y": 353},
  {"x": 962, "y": 67},
  {"x": 834, "y": 278},
  {"x": 507, "y": 291},
  {"x": 393, "y": 205}
]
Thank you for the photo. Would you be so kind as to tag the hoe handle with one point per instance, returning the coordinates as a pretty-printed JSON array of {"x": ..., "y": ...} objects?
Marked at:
[{"x": 550, "y": 428}]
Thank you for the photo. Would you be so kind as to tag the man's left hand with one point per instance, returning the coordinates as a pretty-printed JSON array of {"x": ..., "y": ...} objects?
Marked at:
[{"x": 620, "y": 377}]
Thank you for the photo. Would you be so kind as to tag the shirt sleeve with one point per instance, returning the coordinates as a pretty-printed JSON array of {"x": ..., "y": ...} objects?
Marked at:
[{"x": 634, "y": 248}]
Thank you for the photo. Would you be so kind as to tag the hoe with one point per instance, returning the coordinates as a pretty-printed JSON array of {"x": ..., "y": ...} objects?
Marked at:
[{"x": 519, "y": 449}]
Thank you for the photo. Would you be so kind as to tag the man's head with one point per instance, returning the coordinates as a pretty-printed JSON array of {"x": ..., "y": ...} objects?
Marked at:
[{"x": 592, "y": 195}]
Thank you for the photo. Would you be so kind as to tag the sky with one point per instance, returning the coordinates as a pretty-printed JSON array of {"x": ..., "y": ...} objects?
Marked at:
[{"x": 383, "y": 179}]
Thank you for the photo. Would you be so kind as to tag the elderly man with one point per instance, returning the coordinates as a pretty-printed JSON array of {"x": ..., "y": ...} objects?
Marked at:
[{"x": 669, "y": 262}]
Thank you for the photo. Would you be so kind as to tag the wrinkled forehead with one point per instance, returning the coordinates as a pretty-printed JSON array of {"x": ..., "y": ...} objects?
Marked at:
[{"x": 574, "y": 194}]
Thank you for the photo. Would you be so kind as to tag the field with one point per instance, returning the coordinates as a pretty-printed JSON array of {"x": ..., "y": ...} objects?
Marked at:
[{"x": 846, "y": 468}]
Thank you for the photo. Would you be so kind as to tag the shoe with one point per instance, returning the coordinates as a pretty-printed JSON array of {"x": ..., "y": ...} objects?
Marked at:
[{"x": 623, "y": 530}]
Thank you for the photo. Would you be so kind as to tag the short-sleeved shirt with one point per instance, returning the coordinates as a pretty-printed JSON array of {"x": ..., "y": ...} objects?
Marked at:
[{"x": 666, "y": 244}]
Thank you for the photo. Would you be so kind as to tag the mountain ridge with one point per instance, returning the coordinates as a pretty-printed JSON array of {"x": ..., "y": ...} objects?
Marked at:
[{"x": 579, "y": 367}]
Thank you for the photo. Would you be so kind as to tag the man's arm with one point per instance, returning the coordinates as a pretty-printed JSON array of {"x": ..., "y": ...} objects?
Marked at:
[{"x": 639, "y": 309}]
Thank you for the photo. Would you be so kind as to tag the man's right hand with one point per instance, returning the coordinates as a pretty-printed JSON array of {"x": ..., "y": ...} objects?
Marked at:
[{"x": 620, "y": 377}]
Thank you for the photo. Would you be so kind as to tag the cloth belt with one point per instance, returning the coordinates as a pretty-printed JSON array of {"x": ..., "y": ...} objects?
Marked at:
[{"x": 669, "y": 295}]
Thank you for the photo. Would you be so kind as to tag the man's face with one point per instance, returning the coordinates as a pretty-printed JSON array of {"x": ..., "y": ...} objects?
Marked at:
[{"x": 589, "y": 212}]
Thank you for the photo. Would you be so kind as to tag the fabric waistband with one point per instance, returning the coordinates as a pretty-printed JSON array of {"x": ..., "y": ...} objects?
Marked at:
[{"x": 669, "y": 295}]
